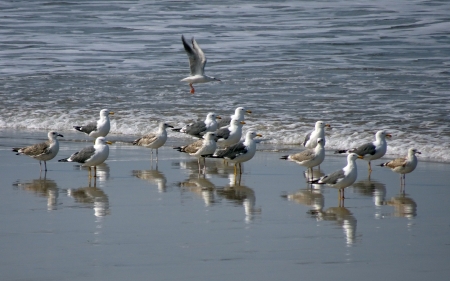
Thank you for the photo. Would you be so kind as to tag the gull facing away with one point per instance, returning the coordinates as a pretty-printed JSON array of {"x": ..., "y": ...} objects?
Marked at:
[
  {"x": 403, "y": 165},
  {"x": 199, "y": 128},
  {"x": 238, "y": 115},
  {"x": 207, "y": 146},
  {"x": 232, "y": 134},
  {"x": 309, "y": 158},
  {"x": 97, "y": 129},
  {"x": 43, "y": 151},
  {"x": 240, "y": 152},
  {"x": 197, "y": 62},
  {"x": 93, "y": 155},
  {"x": 154, "y": 140},
  {"x": 319, "y": 132},
  {"x": 371, "y": 150},
  {"x": 344, "y": 177}
]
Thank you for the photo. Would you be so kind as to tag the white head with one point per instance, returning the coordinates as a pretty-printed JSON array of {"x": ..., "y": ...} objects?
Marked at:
[
  {"x": 382, "y": 134},
  {"x": 413, "y": 151},
  {"x": 163, "y": 126},
  {"x": 212, "y": 116},
  {"x": 251, "y": 135},
  {"x": 105, "y": 112},
  {"x": 321, "y": 124},
  {"x": 102, "y": 141},
  {"x": 52, "y": 135},
  {"x": 210, "y": 136},
  {"x": 352, "y": 157},
  {"x": 320, "y": 142},
  {"x": 236, "y": 123}
]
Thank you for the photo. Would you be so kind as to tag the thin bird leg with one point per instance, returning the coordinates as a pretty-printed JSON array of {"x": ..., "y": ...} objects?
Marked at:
[
  {"x": 40, "y": 166},
  {"x": 235, "y": 169},
  {"x": 240, "y": 169},
  {"x": 370, "y": 168},
  {"x": 95, "y": 171},
  {"x": 89, "y": 174},
  {"x": 199, "y": 168},
  {"x": 156, "y": 154},
  {"x": 45, "y": 165},
  {"x": 192, "y": 88}
]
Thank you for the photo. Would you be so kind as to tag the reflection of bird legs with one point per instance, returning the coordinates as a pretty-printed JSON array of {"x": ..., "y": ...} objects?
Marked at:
[
  {"x": 192, "y": 88},
  {"x": 237, "y": 180}
]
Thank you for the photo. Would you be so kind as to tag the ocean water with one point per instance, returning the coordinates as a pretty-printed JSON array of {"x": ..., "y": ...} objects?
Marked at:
[{"x": 359, "y": 65}]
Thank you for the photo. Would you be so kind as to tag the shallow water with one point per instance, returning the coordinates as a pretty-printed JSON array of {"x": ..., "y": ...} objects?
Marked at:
[
  {"x": 141, "y": 220},
  {"x": 361, "y": 66}
]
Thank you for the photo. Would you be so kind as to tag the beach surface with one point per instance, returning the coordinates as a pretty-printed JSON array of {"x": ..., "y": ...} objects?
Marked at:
[{"x": 141, "y": 220}]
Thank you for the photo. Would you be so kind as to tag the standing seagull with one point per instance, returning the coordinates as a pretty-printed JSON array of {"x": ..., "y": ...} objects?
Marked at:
[
  {"x": 207, "y": 146},
  {"x": 371, "y": 150},
  {"x": 344, "y": 177},
  {"x": 43, "y": 151},
  {"x": 309, "y": 158},
  {"x": 238, "y": 115},
  {"x": 93, "y": 155},
  {"x": 199, "y": 128},
  {"x": 403, "y": 165},
  {"x": 240, "y": 152},
  {"x": 319, "y": 132},
  {"x": 97, "y": 129},
  {"x": 231, "y": 134},
  {"x": 154, "y": 140},
  {"x": 197, "y": 62}
]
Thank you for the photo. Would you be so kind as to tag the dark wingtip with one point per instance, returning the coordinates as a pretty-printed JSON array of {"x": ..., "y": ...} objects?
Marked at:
[
  {"x": 340, "y": 151},
  {"x": 16, "y": 149},
  {"x": 284, "y": 157},
  {"x": 63, "y": 160},
  {"x": 176, "y": 129},
  {"x": 78, "y": 128}
]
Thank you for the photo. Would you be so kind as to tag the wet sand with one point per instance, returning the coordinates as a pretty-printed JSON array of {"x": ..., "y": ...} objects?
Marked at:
[{"x": 166, "y": 222}]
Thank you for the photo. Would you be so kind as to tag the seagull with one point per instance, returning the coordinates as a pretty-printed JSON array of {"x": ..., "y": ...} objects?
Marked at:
[
  {"x": 238, "y": 115},
  {"x": 93, "y": 155},
  {"x": 371, "y": 150},
  {"x": 199, "y": 128},
  {"x": 197, "y": 62},
  {"x": 309, "y": 158},
  {"x": 231, "y": 134},
  {"x": 344, "y": 177},
  {"x": 43, "y": 151},
  {"x": 319, "y": 132},
  {"x": 240, "y": 152},
  {"x": 154, "y": 140},
  {"x": 99, "y": 128},
  {"x": 403, "y": 165},
  {"x": 199, "y": 148}
]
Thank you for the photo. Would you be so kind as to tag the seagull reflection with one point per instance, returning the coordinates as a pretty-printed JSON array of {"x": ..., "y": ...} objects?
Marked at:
[
  {"x": 102, "y": 171},
  {"x": 343, "y": 217},
  {"x": 200, "y": 185},
  {"x": 43, "y": 187},
  {"x": 309, "y": 197},
  {"x": 314, "y": 175},
  {"x": 153, "y": 176},
  {"x": 241, "y": 195},
  {"x": 403, "y": 206},
  {"x": 371, "y": 188},
  {"x": 92, "y": 195}
]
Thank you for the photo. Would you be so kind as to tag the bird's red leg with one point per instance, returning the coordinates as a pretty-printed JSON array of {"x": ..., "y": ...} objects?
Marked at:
[{"x": 192, "y": 88}]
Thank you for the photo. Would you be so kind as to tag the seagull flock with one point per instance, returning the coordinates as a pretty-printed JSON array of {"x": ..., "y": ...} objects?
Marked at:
[{"x": 221, "y": 138}]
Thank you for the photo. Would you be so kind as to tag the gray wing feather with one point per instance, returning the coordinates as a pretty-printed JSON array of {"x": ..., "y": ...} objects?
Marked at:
[
  {"x": 232, "y": 151},
  {"x": 195, "y": 129},
  {"x": 225, "y": 121},
  {"x": 223, "y": 133},
  {"x": 333, "y": 178},
  {"x": 87, "y": 129},
  {"x": 196, "y": 57},
  {"x": 83, "y": 155},
  {"x": 364, "y": 149}
]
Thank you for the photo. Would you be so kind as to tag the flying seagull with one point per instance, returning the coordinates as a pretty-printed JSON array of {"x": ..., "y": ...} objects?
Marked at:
[{"x": 197, "y": 62}]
